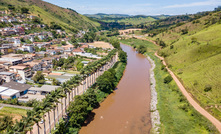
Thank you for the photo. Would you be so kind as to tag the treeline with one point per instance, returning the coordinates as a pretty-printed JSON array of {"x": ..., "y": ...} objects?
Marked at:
[{"x": 83, "y": 105}]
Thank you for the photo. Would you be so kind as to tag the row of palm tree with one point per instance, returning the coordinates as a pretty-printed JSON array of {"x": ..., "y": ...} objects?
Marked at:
[{"x": 69, "y": 88}]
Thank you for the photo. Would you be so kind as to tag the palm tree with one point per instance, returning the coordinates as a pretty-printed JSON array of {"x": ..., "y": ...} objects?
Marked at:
[{"x": 66, "y": 87}]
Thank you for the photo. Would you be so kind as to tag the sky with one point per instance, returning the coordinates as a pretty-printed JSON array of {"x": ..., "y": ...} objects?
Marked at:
[{"x": 138, "y": 7}]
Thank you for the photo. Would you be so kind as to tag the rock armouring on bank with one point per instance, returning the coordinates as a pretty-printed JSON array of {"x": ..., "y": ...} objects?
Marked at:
[{"x": 155, "y": 117}]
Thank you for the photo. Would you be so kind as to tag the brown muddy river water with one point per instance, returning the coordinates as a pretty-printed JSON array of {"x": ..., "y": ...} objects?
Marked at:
[{"x": 127, "y": 110}]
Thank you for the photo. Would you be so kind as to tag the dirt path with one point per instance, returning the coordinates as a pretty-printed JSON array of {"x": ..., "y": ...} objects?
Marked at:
[{"x": 202, "y": 111}]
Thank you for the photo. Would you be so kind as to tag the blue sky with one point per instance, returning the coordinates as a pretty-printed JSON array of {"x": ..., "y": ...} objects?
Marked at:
[{"x": 137, "y": 7}]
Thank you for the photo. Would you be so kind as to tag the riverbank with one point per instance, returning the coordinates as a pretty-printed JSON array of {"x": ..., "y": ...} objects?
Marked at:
[
  {"x": 127, "y": 109},
  {"x": 176, "y": 114},
  {"x": 155, "y": 116}
]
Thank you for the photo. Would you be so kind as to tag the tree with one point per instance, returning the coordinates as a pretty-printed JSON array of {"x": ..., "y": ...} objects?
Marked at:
[
  {"x": 73, "y": 39},
  {"x": 55, "y": 82},
  {"x": 78, "y": 111},
  {"x": 5, "y": 123},
  {"x": 123, "y": 56},
  {"x": 106, "y": 81},
  {"x": 168, "y": 79},
  {"x": 24, "y": 10},
  {"x": 79, "y": 66},
  {"x": 141, "y": 49},
  {"x": 39, "y": 77},
  {"x": 11, "y": 7},
  {"x": 63, "y": 43}
]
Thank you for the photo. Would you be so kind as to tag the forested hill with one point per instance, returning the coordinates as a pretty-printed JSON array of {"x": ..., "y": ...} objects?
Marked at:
[
  {"x": 66, "y": 18},
  {"x": 123, "y": 21}
]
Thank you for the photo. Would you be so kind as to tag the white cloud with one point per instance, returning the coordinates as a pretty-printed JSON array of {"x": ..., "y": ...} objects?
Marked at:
[{"x": 203, "y": 3}]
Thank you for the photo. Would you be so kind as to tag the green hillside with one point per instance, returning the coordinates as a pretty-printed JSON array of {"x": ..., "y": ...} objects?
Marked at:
[
  {"x": 125, "y": 19},
  {"x": 67, "y": 18},
  {"x": 193, "y": 52}
]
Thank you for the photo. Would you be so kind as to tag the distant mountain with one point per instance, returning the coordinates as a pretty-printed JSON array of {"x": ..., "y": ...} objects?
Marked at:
[
  {"x": 124, "y": 19},
  {"x": 67, "y": 18},
  {"x": 103, "y": 15}
]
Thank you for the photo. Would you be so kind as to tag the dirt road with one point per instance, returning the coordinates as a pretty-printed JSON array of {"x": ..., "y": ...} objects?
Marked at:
[{"x": 202, "y": 111}]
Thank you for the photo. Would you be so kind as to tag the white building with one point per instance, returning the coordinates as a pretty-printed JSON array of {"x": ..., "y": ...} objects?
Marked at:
[
  {"x": 23, "y": 70},
  {"x": 7, "y": 76},
  {"x": 6, "y": 93}
]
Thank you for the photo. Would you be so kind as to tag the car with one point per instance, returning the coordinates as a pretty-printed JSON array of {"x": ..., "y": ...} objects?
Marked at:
[
  {"x": 32, "y": 92},
  {"x": 42, "y": 121}
]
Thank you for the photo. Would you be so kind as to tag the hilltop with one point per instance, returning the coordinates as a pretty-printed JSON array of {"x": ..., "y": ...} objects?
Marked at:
[{"x": 66, "y": 18}]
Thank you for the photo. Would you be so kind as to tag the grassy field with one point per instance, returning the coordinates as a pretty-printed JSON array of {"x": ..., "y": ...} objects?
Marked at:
[
  {"x": 15, "y": 113},
  {"x": 176, "y": 114},
  {"x": 195, "y": 58}
]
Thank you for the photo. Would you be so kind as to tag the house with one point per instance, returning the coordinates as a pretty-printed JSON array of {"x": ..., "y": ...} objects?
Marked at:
[
  {"x": 51, "y": 51},
  {"x": 17, "y": 41},
  {"x": 23, "y": 70},
  {"x": 11, "y": 61},
  {"x": 6, "y": 50},
  {"x": 29, "y": 48},
  {"x": 2, "y": 68},
  {"x": 77, "y": 51},
  {"x": 85, "y": 46},
  {"x": 20, "y": 31},
  {"x": 6, "y": 93},
  {"x": 67, "y": 52},
  {"x": 31, "y": 37},
  {"x": 85, "y": 62},
  {"x": 22, "y": 88},
  {"x": 7, "y": 76},
  {"x": 36, "y": 66},
  {"x": 4, "y": 20},
  {"x": 68, "y": 47}
]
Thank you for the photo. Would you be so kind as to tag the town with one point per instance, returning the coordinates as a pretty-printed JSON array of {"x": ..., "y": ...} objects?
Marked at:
[{"x": 37, "y": 58}]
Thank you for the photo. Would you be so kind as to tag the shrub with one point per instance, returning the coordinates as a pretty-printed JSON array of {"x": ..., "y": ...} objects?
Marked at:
[
  {"x": 208, "y": 88},
  {"x": 168, "y": 79},
  {"x": 141, "y": 49}
]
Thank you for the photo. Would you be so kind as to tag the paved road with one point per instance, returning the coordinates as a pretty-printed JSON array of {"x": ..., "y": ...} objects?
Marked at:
[
  {"x": 202, "y": 111},
  {"x": 15, "y": 106}
]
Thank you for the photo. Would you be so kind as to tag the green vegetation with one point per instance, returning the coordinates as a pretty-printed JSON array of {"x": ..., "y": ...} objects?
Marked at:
[
  {"x": 64, "y": 63},
  {"x": 180, "y": 116},
  {"x": 66, "y": 18},
  {"x": 39, "y": 78},
  {"x": 5, "y": 123},
  {"x": 195, "y": 59},
  {"x": 84, "y": 104},
  {"x": 10, "y": 111},
  {"x": 8, "y": 115},
  {"x": 122, "y": 21}
]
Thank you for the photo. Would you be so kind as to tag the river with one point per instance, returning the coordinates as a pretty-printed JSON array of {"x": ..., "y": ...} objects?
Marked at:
[{"x": 127, "y": 109}]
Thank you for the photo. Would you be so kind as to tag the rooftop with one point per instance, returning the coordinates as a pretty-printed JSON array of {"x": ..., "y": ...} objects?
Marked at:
[
  {"x": 44, "y": 88},
  {"x": 16, "y": 86},
  {"x": 3, "y": 89},
  {"x": 9, "y": 92},
  {"x": 6, "y": 73},
  {"x": 19, "y": 67},
  {"x": 10, "y": 59}
]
